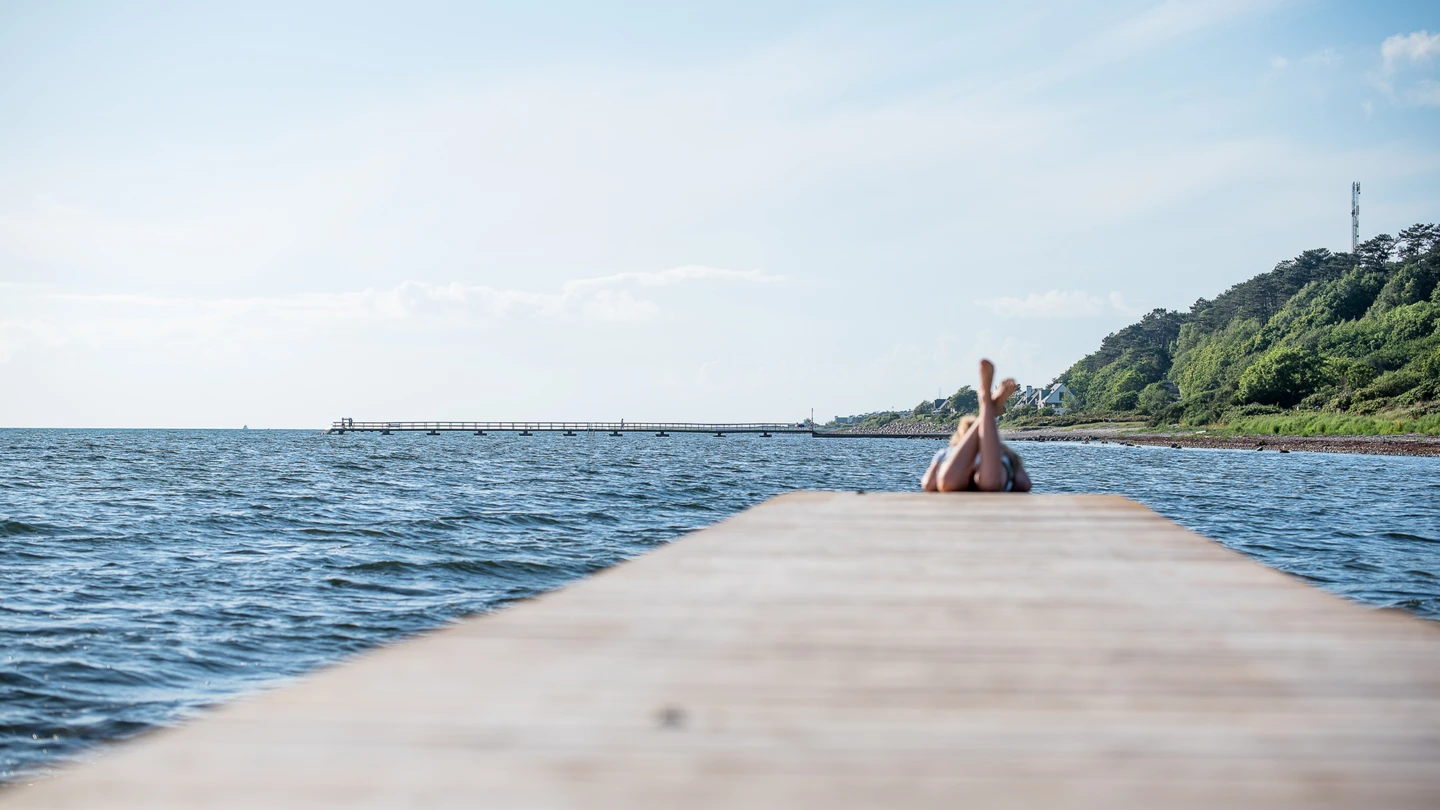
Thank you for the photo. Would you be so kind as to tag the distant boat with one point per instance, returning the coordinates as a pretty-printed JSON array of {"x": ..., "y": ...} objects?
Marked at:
[{"x": 244, "y": 427}]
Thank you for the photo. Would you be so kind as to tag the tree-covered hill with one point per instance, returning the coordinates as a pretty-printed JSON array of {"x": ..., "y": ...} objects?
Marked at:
[{"x": 1337, "y": 333}]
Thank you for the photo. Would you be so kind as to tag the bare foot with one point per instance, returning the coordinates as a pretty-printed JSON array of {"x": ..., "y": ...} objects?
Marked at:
[
  {"x": 987, "y": 379},
  {"x": 1003, "y": 394}
]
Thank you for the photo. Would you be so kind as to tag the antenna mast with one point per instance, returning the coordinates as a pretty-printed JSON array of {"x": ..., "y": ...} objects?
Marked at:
[{"x": 1354, "y": 216}]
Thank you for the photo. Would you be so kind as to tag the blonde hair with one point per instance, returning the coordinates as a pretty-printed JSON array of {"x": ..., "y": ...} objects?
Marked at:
[{"x": 969, "y": 419}]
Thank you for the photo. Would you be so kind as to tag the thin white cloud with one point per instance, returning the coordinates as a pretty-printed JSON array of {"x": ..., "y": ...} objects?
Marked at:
[
  {"x": 35, "y": 315},
  {"x": 1406, "y": 50},
  {"x": 1426, "y": 92},
  {"x": 1402, "y": 56},
  {"x": 1169, "y": 20},
  {"x": 1052, "y": 304},
  {"x": 1156, "y": 27},
  {"x": 1279, "y": 62},
  {"x": 673, "y": 275}
]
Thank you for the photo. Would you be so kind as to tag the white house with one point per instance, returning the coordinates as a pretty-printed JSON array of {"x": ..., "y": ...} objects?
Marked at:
[
  {"x": 1043, "y": 398},
  {"x": 1055, "y": 397}
]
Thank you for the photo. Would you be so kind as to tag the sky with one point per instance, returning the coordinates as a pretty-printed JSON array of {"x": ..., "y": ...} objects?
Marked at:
[{"x": 281, "y": 214}]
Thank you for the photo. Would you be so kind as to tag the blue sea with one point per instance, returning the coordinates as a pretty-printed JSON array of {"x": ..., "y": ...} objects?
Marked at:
[{"x": 147, "y": 574}]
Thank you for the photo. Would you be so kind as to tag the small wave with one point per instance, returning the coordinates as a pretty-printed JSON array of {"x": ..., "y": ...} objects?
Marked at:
[
  {"x": 341, "y": 582},
  {"x": 18, "y": 528},
  {"x": 384, "y": 566},
  {"x": 18, "y": 680},
  {"x": 343, "y": 531},
  {"x": 504, "y": 568},
  {"x": 524, "y": 519},
  {"x": 1407, "y": 536}
]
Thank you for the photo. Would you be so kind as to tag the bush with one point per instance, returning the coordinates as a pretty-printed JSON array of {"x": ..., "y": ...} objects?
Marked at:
[
  {"x": 1430, "y": 365},
  {"x": 1321, "y": 424},
  {"x": 1284, "y": 376},
  {"x": 1123, "y": 401},
  {"x": 1366, "y": 407},
  {"x": 1253, "y": 409},
  {"x": 1194, "y": 411},
  {"x": 1347, "y": 298},
  {"x": 1410, "y": 322},
  {"x": 1426, "y": 391},
  {"x": 1414, "y": 282},
  {"x": 1353, "y": 374},
  {"x": 1392, "y": 384},
  {"x": 1154, "y": 398}
]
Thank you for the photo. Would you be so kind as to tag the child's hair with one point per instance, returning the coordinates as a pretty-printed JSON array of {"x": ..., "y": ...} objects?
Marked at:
[{"x": 964, "y": 426}]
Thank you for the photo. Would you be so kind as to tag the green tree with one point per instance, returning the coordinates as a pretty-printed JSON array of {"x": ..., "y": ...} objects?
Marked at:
[
  {"x": 1430, "y": 365},
  {"x": 965, "y": 400},
  {"x": 1154, "y": 398},
  {"x": 1283, "y": 377},
  {"x": 1126, "y": 362},
  {"x": 1377, "y": 252},
  {"x": 1414, "y": 282},
  {"x": 1418, "y": 239}
]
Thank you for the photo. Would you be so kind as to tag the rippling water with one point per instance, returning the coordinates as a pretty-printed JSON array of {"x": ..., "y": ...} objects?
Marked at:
[{"x": 144, "y": 574}]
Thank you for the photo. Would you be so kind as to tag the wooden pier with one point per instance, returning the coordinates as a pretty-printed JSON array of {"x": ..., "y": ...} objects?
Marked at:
[{"x": 844, "y": 650}]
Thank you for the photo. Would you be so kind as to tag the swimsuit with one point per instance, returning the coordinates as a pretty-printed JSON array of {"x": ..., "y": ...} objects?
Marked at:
[{"x": 944, "y": 452}]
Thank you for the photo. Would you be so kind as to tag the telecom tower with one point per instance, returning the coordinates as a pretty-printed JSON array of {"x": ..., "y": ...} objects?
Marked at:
[{"x": 1354, "y": 216}]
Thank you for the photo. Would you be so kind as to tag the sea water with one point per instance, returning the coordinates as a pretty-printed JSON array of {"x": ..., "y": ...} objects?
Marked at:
[{"x": 145, "y": 574}]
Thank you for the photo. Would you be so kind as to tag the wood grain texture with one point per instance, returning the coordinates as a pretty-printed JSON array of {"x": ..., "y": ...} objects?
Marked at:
[{"x": 837, "y": 650}]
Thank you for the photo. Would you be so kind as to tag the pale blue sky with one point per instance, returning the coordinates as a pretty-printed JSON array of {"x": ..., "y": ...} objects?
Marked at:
[{"x": 215, "y": 214}]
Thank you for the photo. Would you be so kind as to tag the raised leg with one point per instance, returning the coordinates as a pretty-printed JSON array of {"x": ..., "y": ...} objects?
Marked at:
[
  {"x": 990, "y": 473},
  {"x": 1003, "y": 394},
  {"x": 954, "y": 473},
  {"x": 958, "y": 471}
]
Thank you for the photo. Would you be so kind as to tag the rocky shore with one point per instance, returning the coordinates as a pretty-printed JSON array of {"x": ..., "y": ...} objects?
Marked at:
[
  {"x": 900, "y": 427},
  {"x": 1399, "y": 445},
  {"x": 1120, "y": 433}
]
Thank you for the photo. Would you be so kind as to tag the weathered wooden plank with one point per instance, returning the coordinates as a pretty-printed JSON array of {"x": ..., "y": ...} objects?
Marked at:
[{"x": 843, "y": 650}]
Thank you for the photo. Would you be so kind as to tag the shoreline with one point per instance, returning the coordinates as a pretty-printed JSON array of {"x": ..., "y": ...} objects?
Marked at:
[
  {"x": 1405, "y": 444},
  {"x": 1392, "y": 445}
]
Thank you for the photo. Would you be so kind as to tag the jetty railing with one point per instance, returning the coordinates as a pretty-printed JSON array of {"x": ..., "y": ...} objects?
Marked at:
[{"x": 349, "y": 425}]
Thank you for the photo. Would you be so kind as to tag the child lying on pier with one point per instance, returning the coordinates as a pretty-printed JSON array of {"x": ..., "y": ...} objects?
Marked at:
[{"x": 976, "y": 459}]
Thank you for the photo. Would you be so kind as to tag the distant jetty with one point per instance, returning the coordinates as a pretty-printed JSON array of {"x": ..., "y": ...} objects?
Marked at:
[{"x": 762, "y": 429}]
